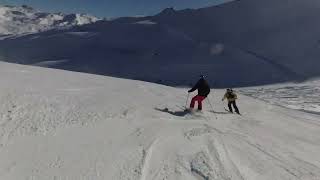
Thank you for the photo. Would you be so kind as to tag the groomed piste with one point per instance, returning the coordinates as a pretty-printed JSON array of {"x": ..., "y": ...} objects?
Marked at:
[{"x": 63, "y": 125}]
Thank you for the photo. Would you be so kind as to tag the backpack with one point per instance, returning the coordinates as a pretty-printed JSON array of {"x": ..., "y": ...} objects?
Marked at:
[{"x": 231, "y": 95}]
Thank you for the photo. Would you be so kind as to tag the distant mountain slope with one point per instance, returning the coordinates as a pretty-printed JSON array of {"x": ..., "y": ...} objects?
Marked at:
[
  {"x": 240, "y": 43},
  {"x": 283, "y": 31},
  {"x": 20, "y": 20}
]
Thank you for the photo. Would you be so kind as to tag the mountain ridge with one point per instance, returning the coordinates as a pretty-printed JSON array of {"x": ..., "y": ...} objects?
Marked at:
[
  {"x": 17, "y": 20},
  {"x": 228, "y": 42}
]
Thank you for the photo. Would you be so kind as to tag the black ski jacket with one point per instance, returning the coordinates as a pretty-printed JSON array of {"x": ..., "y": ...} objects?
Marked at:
[{"x": 203, "y": 88}]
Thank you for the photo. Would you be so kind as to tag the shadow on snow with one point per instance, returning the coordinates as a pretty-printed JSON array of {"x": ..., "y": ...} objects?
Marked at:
[{"x": 181, "y": 113}]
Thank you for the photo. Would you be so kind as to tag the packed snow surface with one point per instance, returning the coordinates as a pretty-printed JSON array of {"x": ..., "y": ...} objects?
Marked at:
[
  {"x": 299, "y": 96},
  {"x": 58, "y": 125}
]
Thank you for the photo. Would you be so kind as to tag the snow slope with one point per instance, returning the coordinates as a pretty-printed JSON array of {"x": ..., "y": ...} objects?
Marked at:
[
  {"x": 17, "y": 20},
  {"x": 63, "y": 125},
  {"x": 299, "y": 96}
]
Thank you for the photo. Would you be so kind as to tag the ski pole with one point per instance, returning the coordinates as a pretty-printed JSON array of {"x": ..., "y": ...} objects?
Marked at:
[
  {"x": 208, "y": 99},
  {"x": 212, "y": 108},
  {"x": 187, "y": 101}
]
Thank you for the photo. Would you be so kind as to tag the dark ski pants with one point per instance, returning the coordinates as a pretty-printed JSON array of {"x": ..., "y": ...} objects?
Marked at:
[
  {"x": 234, "y": 104},
  {"x": 199, "y": 99}
]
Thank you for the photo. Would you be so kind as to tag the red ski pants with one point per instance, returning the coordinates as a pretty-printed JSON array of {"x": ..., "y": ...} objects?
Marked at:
[{"x": 199, "y": 99}]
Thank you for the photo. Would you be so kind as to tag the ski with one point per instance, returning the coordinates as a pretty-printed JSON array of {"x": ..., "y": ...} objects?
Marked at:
[{"x": 232, "y": 112}]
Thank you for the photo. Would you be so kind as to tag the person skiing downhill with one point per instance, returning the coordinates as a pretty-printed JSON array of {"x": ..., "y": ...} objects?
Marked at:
[
  {"x": 231, "y": 96},
  {"x": 203, "y": 91}
]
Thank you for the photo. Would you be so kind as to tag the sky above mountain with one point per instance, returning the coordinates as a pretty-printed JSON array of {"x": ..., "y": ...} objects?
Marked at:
[{"x": 111, "y": 8}]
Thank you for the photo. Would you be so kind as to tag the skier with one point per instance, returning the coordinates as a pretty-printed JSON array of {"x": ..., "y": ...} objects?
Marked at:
[
  {"x": 231, "y": 96},
  {"x": 203, "y": 91}
]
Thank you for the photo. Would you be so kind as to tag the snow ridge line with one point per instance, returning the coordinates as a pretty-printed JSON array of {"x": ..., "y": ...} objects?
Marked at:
[{"x": 147, "y": 154}]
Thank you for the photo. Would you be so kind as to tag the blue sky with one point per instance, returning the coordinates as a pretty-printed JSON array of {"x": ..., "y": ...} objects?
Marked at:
[{"x": 111, "y": 8}]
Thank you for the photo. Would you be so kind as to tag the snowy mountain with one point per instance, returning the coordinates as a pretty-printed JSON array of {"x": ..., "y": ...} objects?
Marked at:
[
  {"x": 23, "y": 19},
  {"x": 65, "y": 125},
  {"x": 240, "y": 43}
]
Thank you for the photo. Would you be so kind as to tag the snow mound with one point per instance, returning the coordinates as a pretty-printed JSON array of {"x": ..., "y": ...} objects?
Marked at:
[
  {"x": 23, "y": 19},
  {"x": 63, "y": 125}
]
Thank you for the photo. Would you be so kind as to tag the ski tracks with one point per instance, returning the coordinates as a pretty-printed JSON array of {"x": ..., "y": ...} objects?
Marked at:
[
  {"x": 147, "y": 155},
  {"x": 198, "y": 153},
  {"x": 213, "y": 162}
]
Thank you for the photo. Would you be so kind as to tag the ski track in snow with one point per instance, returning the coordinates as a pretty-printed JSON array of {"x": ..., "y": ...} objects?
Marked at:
[
  {"x": 63, "y": 125},
  {"x": 147, "y": 155}
]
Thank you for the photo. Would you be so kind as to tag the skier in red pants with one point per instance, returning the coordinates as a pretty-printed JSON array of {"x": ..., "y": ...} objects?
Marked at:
[{"x": 203, "y": 91}]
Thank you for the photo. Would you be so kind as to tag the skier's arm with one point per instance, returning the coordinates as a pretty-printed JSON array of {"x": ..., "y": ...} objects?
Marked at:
[
  {"x": 194, "y": 88},
  {"x": 224, "y": 97}
]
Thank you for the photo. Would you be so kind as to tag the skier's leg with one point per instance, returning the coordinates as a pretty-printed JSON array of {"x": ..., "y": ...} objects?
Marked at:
[
  {"x": 235, "y": 107},
  {"x": 230, "y": 108},
  {"x": 193, "y": 101},
  {"x": 200, "y": 99}
]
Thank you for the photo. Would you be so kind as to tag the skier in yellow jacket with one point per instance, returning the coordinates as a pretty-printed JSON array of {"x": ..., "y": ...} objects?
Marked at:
[{"x": 231, "y": 97}]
